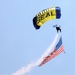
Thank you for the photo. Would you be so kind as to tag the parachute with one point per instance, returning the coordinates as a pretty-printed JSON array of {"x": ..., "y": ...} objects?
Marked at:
[{"x": 45, "y": 15}]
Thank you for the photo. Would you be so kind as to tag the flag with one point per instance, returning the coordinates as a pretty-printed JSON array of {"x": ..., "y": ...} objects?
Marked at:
[{"x": 57, "y": 50}]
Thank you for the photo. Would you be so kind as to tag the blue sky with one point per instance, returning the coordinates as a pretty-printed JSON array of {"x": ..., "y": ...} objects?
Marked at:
[{"x": 21, "y": 44}]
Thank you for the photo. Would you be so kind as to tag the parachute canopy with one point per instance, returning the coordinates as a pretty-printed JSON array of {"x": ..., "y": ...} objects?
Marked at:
[{"x": 45, "y": 15}]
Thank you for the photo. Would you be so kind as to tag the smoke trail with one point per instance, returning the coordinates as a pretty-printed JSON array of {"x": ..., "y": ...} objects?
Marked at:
[
  {"x": 26, "y": 69},
  {"x": 47, "y": 51}
]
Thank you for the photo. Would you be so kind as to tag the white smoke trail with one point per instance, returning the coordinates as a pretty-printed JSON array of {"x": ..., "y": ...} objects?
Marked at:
[
  {"x": 26, "y": 69},
  {"x": 47, "y": 51}
]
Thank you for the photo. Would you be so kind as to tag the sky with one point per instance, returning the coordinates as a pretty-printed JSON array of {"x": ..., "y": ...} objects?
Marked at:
[{"x": 21, "y": 44}]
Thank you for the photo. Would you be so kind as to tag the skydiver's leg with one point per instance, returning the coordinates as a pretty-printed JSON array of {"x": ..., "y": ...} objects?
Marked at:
[
  {"x": 57, "y": 31},
  {"x": 60, "y": 30}
]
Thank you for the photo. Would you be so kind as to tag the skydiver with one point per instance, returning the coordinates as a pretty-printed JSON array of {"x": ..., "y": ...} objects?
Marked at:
[{"x": 58, "y": 28}]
